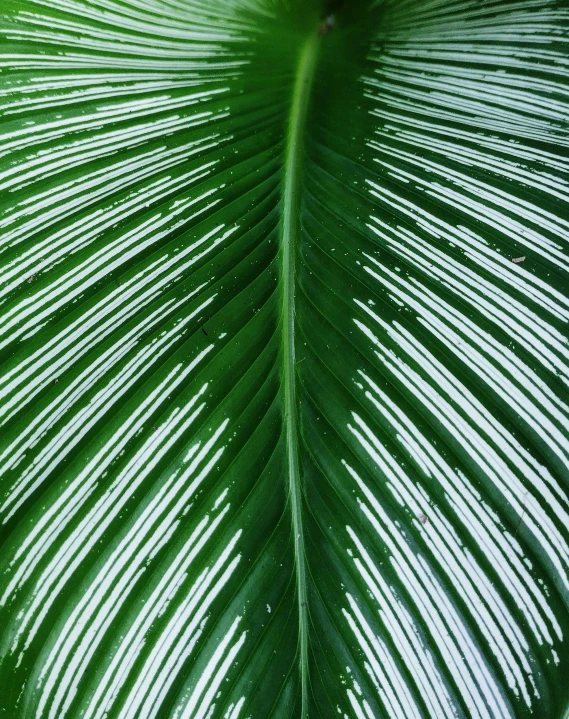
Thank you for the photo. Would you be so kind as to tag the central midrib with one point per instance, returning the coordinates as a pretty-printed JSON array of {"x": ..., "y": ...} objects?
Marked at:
[{"x": 290, "y": 232}]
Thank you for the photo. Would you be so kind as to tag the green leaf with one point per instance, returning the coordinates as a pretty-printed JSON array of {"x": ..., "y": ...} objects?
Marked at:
[{"x": 284, "y": 359}]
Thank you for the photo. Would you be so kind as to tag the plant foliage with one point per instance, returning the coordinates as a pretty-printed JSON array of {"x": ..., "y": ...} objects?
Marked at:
[{"x": 284, "y": 359}]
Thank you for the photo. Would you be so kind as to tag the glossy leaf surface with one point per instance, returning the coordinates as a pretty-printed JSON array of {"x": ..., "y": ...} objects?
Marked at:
[{"x": 284, "y": 359}]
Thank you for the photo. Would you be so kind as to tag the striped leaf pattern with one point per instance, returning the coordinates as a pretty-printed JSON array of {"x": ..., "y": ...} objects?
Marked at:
[{"x": 284, "y": 408}]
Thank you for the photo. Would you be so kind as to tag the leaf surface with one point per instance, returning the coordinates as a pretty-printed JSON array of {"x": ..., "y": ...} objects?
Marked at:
[{"x": 284, "y": 359}]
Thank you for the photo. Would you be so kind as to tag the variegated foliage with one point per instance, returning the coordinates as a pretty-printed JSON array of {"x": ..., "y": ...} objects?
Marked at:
[{"x": 283, "y": 359}]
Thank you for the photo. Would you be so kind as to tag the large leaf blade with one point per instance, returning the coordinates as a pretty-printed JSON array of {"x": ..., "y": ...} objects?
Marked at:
[{"x": 151, "y": 569}]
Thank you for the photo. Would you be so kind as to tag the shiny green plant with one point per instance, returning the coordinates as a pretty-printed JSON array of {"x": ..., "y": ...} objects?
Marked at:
[{"x": 284, "y": 304}]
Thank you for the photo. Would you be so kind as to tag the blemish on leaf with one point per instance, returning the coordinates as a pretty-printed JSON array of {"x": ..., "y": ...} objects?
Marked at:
[{"x": 327, "y": 25}]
